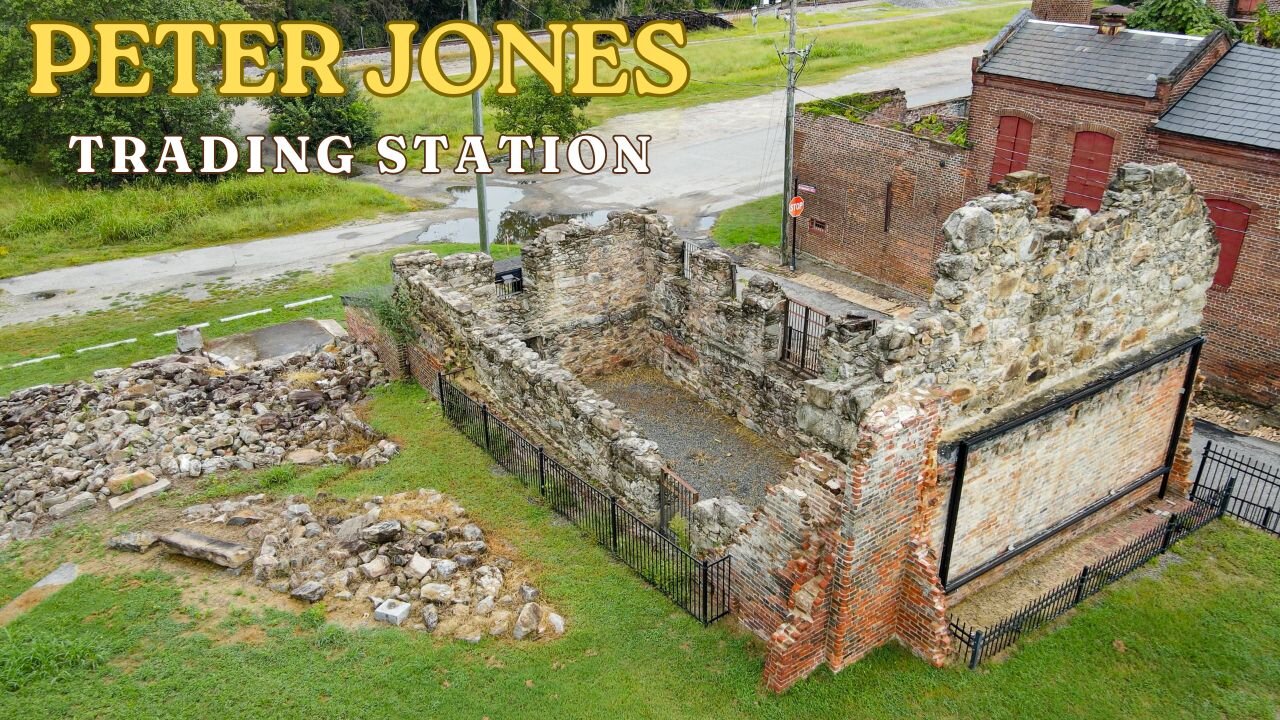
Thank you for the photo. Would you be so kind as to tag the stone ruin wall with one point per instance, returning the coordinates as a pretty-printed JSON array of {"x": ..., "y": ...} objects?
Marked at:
[
  {"x": 586, "y": 292},
  {"x": 843, "y": 555},
  {"x": 458, "y": 315},
  {"x": 1026, "y": 308}
]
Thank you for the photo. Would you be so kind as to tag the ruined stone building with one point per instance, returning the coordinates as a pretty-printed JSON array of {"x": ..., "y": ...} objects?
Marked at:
[
  {"x": 1074, "y": 102},
  {"x": 1038, "y": 392}
]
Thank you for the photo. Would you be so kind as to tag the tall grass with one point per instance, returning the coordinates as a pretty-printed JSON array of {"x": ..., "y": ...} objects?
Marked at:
[{"x": 44, "y": 225}]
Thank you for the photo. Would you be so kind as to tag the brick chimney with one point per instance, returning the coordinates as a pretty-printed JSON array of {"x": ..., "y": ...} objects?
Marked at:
[
  {"x": 1111, "y": 19},
  {"x": 1063, "y": 11}
]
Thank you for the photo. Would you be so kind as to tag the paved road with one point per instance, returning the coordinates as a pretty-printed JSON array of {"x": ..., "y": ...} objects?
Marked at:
[{"x": 704, "y": 159}]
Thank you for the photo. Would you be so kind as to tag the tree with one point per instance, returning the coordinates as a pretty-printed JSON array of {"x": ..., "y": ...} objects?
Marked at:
[
  {"x": 35, "y": 130},
  {"x": 317, "y": 116},
  {"x": 1265, "y": 29},
  {"x": 1184, "y": 17},
  {"x": 536, "y": 110}
]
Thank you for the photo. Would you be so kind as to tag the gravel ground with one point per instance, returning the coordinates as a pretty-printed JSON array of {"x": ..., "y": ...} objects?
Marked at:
[{"x": 710, "y": 450}]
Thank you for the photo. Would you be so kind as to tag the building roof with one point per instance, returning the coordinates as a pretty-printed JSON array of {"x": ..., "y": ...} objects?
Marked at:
[
  {"x": 1237, "y": 101},
  {"x": 1127, "y": 63}
]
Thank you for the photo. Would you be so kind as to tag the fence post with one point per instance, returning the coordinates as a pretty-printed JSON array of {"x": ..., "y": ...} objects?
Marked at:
[
  {"x": 1226, "y": 496},
  {"x": 975, "y": 656},
  {"x": 1204, "y": 458},
  {"x": 484, "y": 415},
  {"x": 705, "y": 613},
  {"x": 440, "y": 388},
  {"x": 1169, "y": 527},
  {"x": 1084, "y": 577},
  {"x": 542, "y": 472},
  {"x": 613, "y": 521}
]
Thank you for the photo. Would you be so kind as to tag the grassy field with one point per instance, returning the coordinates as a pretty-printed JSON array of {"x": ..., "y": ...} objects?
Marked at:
[
  {"x": 19, "y": 342},
  {"x": 734, "y": 65},
  {"x": 1200, "y": 638},
  {"x": 758, "y": 221},
  {"x": 44, "y": 225}
]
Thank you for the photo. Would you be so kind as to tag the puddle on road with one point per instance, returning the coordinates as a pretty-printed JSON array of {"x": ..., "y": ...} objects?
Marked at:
[{"x": 506, "y": 226}]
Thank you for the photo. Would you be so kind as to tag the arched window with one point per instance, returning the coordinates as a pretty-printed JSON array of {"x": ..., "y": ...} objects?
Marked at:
[
  {"x": 1013, "y": 146},
  {"x": 1231, "y": 220},
  {"x": 1090, "y": 170}
]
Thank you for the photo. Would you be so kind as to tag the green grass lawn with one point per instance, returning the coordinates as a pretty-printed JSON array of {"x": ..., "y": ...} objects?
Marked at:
[
  {"x": 44, "y": 225},
  {"x": 1200, "y": 640},
  {"x": 156, "y": 314},
  {"x": 729, "y": 65},
  {"x": 758, "y": 221}
]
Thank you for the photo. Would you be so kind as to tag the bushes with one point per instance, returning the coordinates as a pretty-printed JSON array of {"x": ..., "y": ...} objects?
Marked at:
[{"x": 317, "y": 116}]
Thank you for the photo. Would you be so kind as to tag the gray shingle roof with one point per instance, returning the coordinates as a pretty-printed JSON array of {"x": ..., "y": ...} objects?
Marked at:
[
  {"x": 1127, "y": 63},
  {"x": 1237, "y": 101}
]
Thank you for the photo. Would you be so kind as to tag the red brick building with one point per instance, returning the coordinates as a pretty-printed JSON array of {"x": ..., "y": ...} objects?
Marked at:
[{"x": 1074, "y": 103}]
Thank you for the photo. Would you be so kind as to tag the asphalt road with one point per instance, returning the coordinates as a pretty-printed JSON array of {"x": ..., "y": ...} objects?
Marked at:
[{"x": 704, "y": 159}]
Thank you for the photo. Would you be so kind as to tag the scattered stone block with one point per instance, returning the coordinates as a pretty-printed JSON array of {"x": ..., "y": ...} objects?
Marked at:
[
  {"x": 202, "y": 547},
  {"x": 417, "y": 567},
  {"x": 437, "y": 593},
  {"x": 310, "y": 591},
  {"x": 430, "y": 617},
  {"x": 383, "y": 532},
  {"x": 139, "y": 541},
  {"x": 392, "y": 611},
  {"x": 248, "y": 516},
  {"x": 305, "y": 456},
  {"x": 376, "y": 568},
  {"x": 79, "y": 503},
  {"x": 133, "y": 498},
  {"x": 527, "y": 621},
  {"x": 127, "y": 482}
]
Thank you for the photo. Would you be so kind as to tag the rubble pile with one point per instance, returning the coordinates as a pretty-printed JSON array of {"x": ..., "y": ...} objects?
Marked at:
[
  {"x": 414, "y": 558},
  {"x": 63, "y": 448}
]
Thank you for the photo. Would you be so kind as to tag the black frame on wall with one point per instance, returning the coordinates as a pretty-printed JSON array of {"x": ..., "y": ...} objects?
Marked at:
[{"x": 949, "y": 584}]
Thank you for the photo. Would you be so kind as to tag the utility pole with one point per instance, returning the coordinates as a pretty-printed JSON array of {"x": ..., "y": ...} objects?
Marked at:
[
  {"x": 477, "y": 128},
  {"x": 793, "y": 73}
]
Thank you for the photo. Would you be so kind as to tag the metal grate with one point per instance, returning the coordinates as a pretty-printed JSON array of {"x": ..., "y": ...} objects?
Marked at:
[{"x": 802, "y": 336}]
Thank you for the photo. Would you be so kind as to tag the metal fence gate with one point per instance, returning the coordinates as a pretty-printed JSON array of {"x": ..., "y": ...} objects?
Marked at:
[
  {"x": 1255, "y": 493},
  {"x": 801, "y": 337}
]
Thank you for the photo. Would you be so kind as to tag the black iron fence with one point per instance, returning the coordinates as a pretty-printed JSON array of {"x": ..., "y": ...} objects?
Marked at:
[
  {"x": 975, "y": 644},
  {"x": 1256, "y": 496},
  {"x": 701, "y": 587},
  {"x": 676, "y": 498}
]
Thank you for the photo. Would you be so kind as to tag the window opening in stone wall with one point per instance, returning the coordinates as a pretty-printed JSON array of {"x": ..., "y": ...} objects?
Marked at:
[{"x": 801, "y": 337}]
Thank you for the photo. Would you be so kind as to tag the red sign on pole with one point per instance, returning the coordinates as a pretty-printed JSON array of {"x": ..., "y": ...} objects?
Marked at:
[{"x": 795, "y": 207}]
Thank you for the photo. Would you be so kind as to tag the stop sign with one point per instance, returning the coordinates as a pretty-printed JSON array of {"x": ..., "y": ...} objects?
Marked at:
[{"x": 796, "y": 206}]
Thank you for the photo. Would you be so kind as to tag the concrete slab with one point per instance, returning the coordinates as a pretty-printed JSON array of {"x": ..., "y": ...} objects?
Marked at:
[
  {"x": 62, "y": 576},
  {"x": 274, "y": 341},
  {"x": 133, "y": 498},
  {"x": 202, "y": 547}
]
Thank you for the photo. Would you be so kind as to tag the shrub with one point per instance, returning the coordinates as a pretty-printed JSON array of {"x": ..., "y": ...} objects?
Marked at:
[{"x": 318, "y": 116}]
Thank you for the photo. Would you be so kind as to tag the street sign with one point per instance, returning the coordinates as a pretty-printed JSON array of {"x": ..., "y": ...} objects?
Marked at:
[
  {"x": 806, "y": 188},
  {"x": 795, "y": 207}
]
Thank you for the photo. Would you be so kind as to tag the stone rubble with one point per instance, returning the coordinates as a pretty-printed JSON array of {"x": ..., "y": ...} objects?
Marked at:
[
  {"x": 430, "y": 568},
  {"x": 63, "y": 448}
]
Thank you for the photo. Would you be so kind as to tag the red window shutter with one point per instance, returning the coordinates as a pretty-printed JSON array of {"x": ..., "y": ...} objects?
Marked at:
[
  {"x": 1231, "y": 221},
  {"x": 1090, "y": 170},
  {"x": 1013, "y": 145}
]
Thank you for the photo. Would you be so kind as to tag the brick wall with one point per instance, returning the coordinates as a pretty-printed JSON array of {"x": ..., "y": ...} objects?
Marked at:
[
  {"x": 365, "y": 328},
  {"x": 1067, "y": 11},
  {"x": 858, "y": 167},
  {"x": 1242, "y": 357},
  {"x": 1029, "y": 480},
  {"x": 834, "y": 564}
]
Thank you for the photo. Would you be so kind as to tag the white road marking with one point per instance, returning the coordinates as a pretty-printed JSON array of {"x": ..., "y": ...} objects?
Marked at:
[
  {"x": 241, "y": 316},
  {"x": 33, "y": 361},
  {"x": 300, "y": 303},
  {"x": 104, "y": 346}
]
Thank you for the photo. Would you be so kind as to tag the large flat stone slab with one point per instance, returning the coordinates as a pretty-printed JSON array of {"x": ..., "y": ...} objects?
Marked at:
[
  {"x": 133, "y": 498},
  {"x": 79, "y": 503},
  {"x": 62, "y": 576},
  {"x": 202, "y": 547}
]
